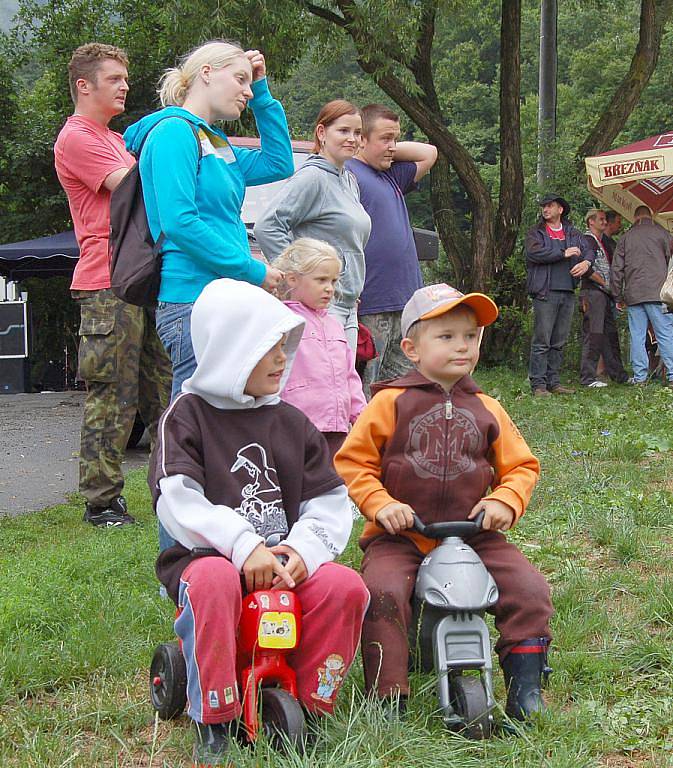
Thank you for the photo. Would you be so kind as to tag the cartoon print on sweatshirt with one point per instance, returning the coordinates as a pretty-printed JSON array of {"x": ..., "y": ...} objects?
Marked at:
[
  {"x": 443, "y": 441},
  {"x": 262, "y": 503},
  {"x": 330, "y": 677}
]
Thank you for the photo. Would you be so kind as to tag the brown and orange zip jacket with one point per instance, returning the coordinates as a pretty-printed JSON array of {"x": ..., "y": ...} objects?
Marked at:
[{"x": 440, "y": 452}]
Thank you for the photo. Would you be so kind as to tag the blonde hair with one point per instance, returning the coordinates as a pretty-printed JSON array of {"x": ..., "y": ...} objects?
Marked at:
[
  {"x": 176, "y": 81},
  {"x": 591, "y": 214},
  {"x": 303, "y": 256}
]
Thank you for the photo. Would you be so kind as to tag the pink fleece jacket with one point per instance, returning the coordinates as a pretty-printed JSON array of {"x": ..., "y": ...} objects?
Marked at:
[{"x": 323, "y": 382}]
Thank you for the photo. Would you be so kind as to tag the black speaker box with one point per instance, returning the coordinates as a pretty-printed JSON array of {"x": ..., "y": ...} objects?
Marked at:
[{"x": 14, "y": 375}]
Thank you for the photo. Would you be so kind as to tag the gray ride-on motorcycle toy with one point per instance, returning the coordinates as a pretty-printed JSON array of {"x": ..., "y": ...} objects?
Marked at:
[{"x": 453, "y": 590}]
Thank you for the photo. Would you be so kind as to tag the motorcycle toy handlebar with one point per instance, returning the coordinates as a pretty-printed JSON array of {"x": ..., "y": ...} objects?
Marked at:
[{"x": 463, "y": 529}]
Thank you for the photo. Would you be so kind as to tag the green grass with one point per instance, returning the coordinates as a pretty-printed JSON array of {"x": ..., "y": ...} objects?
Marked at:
[{"x": 80, "y": 615}]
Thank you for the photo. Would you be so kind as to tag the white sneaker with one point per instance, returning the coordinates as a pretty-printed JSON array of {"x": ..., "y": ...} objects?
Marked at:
[{"x": 597, "y": 384}]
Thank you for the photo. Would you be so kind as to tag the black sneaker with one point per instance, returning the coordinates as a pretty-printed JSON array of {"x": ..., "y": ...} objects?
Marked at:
[{"x": 114, "y": 515}]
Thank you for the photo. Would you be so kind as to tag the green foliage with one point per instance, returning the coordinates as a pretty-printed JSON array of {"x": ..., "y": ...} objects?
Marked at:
[{"x": 312, "y": 61}]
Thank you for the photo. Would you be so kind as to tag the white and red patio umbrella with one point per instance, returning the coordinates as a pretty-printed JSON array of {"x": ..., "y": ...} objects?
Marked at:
[{"x": 637, "y": 174}]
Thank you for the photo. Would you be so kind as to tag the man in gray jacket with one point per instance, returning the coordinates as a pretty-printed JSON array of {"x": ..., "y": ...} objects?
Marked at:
[{"x": 639, "y": 268}]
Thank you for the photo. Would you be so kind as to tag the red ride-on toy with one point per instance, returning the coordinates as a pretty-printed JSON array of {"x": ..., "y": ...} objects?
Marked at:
[{"x": 269, "y": 629}]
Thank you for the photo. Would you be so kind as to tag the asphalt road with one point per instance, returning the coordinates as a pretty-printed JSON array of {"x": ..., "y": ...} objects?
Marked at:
[{"x": 39, "y": 445}]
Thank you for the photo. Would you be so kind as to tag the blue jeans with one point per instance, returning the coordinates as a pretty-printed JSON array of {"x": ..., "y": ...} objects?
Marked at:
[
  {"x": 174, "y": 330},
  {"x": 662, "y": 323},
  {"x": 552, "y": 320}
]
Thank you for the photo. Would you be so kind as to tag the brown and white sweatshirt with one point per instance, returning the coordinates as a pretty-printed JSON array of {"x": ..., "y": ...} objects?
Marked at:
[
  {"x": 440, "y": 452},
  {"x": 230, "y": 469}
]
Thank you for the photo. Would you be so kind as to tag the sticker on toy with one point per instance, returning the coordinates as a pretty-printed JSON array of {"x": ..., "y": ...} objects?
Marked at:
[{"x": 277, "y": 630}]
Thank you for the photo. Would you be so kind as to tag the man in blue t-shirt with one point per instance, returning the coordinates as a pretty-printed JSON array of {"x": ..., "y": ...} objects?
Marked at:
[{"x": 386, "y": 170}]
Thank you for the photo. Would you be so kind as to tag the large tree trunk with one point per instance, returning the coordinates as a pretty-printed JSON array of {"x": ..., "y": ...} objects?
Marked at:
[
  {"x": 508, "y": 217},
  {"x": 653, "y": 16},
  {"x": 455, "y": 242}
]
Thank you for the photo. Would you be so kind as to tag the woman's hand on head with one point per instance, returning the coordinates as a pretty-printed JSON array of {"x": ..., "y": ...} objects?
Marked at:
[
  {"x": 272, "y": 280},
  {"x": 258, "y": 64}
]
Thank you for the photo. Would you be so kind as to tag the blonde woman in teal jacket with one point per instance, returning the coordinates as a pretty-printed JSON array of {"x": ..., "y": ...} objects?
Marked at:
[{"x": 194, "y": 197}]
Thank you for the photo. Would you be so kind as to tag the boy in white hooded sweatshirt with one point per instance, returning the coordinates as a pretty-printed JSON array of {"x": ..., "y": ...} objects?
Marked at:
[{"x": 233, "y": 466}]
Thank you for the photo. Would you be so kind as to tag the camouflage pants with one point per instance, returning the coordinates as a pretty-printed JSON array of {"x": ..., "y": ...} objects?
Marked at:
[
  {"x": 391, "y": 361},
  {"x": 126, "y": 370}
]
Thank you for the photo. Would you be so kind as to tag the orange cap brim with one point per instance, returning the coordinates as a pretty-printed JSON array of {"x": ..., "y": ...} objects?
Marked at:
[{"x": 484, "y": 308}]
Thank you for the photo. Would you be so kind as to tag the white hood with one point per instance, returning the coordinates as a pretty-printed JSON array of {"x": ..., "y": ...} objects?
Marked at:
[{"x": 234, "y": 324}]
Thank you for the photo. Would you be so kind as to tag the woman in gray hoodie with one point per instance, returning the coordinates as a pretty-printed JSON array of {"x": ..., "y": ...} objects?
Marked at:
[{"x": 322, "y": 200}]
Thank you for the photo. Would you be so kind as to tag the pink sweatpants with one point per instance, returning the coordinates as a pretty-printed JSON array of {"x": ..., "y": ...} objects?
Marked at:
[{"x": 333, "y": 600}]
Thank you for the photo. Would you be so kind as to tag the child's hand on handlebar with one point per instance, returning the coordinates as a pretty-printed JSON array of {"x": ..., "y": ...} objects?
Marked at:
[
  {"x": 497, "y": 515},
  {"x": 395, "y": 517},
  {"x": 261, "y": 567},
  {"x": 295, "y": 565}
]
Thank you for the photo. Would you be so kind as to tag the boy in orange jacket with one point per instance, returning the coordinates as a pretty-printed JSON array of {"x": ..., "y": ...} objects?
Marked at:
[{"x": 432, "y": 443}]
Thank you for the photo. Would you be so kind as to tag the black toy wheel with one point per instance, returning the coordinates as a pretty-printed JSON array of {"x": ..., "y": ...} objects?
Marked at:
[
  {"x": 282, "y": 719},
  {"x": 468, "y": 698},
  {"x": 168, "y": 681},
  {"x": 137, "y": 431}
]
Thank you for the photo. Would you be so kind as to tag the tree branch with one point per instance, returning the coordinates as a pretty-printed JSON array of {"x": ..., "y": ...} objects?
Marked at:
[
  {"x": 653, "y": 16},
  {"x": 350, "y": 13},
  {"x": 421, "y": 64},
  {"x": 326, "y": 14}
]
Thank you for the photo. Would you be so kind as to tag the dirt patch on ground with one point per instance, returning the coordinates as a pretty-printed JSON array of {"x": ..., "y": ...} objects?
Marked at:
[{"x": 39, "y": 444}]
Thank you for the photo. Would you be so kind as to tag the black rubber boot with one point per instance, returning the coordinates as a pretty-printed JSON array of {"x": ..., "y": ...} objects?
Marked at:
[
  {"x": 211, "y": 745},
  {"x": 525, "y": 668},
  {"x": 394, "y": 707}
]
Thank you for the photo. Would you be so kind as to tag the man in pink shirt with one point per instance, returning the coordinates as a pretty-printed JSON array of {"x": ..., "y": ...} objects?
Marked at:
[{"x": 121, "y": 358}]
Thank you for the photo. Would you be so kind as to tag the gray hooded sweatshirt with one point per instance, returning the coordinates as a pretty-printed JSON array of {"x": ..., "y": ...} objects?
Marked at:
[{"x": 320, "y": 201}]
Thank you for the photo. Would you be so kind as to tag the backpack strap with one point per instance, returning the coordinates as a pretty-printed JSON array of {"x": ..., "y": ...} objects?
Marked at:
[
  {"x": 160, "y": 240},
  {"x": 195, "y": 131}
]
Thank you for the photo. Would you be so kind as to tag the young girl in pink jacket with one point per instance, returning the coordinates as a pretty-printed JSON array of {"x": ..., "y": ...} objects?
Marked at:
[{"x": 323, "y": 383}]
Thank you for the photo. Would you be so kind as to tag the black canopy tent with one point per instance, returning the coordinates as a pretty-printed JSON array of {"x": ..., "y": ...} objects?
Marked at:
[{"x": 43, "y": 257}]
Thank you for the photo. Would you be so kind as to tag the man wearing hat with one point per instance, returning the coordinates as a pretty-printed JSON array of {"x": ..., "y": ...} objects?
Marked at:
[
  {"x": 556, "y": 258},
  {"x": 432, "y": 443}
]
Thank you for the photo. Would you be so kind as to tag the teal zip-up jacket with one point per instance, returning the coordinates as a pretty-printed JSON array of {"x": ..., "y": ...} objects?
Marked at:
[{"x": 199, "y": 209}]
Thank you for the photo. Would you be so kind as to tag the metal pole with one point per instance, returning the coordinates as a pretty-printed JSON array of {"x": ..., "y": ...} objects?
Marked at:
[{"x": 547, "y": 91}]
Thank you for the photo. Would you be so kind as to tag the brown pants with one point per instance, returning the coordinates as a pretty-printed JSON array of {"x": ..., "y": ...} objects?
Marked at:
[
  {"x": 599, "y": 337},
  {"x": 334, "y": 441},
  {"x": 389, "y": 570}
]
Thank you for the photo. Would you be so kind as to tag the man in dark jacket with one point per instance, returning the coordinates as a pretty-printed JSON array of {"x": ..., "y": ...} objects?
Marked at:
[
  {"x": 556, "y": 257},
  {"x": 639, "y": 268}
]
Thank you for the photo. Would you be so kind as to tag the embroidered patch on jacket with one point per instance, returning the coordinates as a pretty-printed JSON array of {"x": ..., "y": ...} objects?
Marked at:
[
  {"x": 437, "y": 449},
  {"x": 213, "y": 700}
]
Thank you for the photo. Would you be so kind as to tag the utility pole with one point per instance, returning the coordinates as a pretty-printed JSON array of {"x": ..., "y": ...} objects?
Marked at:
[{"x": 546, "y": 124}]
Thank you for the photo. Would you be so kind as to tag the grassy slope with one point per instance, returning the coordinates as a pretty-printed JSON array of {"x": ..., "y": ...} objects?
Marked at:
[{"x": 80, "y": 615}]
